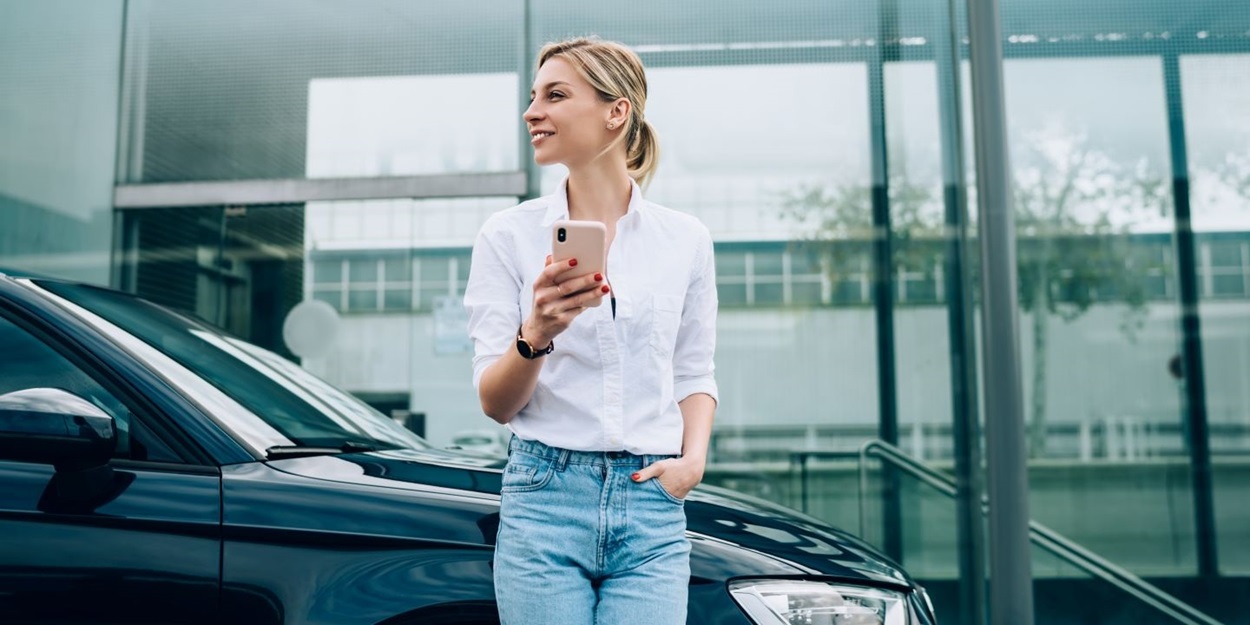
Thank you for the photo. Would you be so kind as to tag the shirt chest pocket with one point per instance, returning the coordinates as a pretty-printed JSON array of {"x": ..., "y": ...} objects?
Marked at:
[{"x": 665, "y": 321}]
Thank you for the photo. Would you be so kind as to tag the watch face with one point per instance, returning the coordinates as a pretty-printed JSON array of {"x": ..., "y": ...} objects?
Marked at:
[
  {"x": 523, "y": 346},
  {"x": 527, "y": 350}
]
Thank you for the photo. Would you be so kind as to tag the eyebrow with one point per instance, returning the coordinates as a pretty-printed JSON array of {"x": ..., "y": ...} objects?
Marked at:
[{"x": 549, "y": 86}]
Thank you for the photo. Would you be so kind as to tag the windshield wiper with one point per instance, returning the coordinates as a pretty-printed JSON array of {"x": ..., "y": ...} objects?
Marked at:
[{"x": 278, "y": 452}]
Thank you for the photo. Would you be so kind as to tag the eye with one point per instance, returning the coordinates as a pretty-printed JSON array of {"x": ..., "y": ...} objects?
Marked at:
[{"x": 555, "y": 95}]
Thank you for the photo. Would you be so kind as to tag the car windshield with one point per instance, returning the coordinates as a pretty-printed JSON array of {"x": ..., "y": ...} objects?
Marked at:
[{"x": 302, "y": 407}]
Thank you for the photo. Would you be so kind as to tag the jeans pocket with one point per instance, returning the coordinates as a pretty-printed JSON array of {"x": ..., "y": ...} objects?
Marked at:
[
  {"x": 525, "y": 473},
  {"x": 667, "y": 495}
]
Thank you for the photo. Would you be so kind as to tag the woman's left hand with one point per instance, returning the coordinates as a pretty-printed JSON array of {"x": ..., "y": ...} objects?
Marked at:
[{"x": 678, "y": 476}]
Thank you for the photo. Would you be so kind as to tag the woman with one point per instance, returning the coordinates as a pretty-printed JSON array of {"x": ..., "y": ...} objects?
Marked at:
[{"x": 610, "y": 406}]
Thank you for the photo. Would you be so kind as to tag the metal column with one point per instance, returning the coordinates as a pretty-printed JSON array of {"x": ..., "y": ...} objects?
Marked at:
[
  {"x": 961, "y": 328},
  {"x": 883, "y": 269},
  {"x": 525, "y": 79},
  {"x": 1011, "y": 584},
  {"x": 1195, "y": 397}
]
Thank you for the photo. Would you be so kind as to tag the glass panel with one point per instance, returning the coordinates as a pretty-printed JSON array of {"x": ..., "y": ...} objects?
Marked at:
[
  {"x": 362, "y": 300},
  {"x": 288, "y": 89},
  {"x": 398, "y": 299},
  {"x": 766, "y": 264},
  {"x": 1089, "y": 151},
  {"x": 731, "y": 294},
  {"x": 434, "y": 270},
  {"x": 363, "y": 272},
  {"x": 59, "y": 74},
  {"x": 805, "y": 294},
  {"x": 1216, "y": 92},
  {"x": 420, "y": 348},
  {"x": 329, "y": 272},
  {"x": 730, "y": 264},
  {"x": 397, "y": 269},
  {"x": 240, "y": 269}
]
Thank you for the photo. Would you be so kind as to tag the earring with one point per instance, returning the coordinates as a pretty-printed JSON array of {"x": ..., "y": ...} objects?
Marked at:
[{"x": 611, "y": 125}]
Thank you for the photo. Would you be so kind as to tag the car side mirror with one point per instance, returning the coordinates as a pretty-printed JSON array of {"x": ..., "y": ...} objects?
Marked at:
[{"x": 54, "y": 426}]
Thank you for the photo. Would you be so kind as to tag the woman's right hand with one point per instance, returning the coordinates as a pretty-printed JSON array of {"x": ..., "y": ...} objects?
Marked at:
[{"x": 559, "y": 299}]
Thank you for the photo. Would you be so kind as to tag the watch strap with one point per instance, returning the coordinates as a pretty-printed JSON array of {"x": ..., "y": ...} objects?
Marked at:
[{"x": 527, "y": 349}]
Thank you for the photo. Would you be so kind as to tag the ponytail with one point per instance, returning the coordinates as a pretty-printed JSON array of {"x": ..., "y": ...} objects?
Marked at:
[{"x": 642, "y": 151}]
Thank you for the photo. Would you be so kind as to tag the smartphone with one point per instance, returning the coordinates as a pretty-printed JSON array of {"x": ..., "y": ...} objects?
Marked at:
[{"x": 587, "y": 241}]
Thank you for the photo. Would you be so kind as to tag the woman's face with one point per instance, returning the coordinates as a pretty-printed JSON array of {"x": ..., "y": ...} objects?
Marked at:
[{"x": 566, "y": 119}]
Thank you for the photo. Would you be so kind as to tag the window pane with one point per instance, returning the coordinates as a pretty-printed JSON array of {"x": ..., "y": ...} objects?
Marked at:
[
  {"x": 805, "y": 294},
  {"x": 731, "y": 295},
  {"x": 767, "y": 263},
  {"x": 1216, "y": 91},
  {"x": 434, "y": 269},
  {"x": 730, "y": 263},
  {"x": 430, "y": 295},
  {"x": 1229, "y": 286},
  {"x": 328, "y": 271},
  {"x": 398, "y": 299},
  {"x": 398, "y": 269},
  {"x": 363, "y": 271},
  {"x": 362, "y": 300},
  {"x": 59, "y": 79},
  {"x": 769, "y": 294},
  {"x": 1226, "y": 253},
  {"x": 240, "y": 90}
]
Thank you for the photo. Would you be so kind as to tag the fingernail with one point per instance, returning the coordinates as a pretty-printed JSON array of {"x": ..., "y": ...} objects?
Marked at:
[
  {"x": 572, "y": 262},
  {"x": 636, "y": 476},
  {"x": 598, "y": 277},
  {"x": 606, "y": 289}
]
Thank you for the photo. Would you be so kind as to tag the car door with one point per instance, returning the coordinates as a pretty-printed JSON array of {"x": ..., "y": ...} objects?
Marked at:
[{"x": 145, "y": 547}]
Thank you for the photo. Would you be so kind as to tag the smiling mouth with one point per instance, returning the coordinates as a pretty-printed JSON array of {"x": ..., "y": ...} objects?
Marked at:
[{"x": 538, "y": 136}]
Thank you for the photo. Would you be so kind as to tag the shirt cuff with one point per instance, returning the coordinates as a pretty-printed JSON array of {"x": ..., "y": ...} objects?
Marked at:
[{"x": 685, "y": 388}]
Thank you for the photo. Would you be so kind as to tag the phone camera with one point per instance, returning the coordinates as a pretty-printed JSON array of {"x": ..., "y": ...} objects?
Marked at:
[{"x": 560, "y": 235}]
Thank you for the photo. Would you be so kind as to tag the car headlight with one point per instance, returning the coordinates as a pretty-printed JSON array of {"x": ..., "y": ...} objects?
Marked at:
[{"x": 790, "y": 602}]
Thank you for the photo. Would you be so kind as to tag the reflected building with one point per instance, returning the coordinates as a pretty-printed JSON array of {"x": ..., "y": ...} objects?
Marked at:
[{"x": 233, "y": 159}]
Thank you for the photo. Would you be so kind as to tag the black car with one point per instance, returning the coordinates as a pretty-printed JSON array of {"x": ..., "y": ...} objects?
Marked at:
[{"x": 156, "y": 470}]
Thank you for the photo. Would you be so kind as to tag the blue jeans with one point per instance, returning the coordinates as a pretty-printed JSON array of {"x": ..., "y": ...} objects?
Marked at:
[{"x": 581, "y": 543}]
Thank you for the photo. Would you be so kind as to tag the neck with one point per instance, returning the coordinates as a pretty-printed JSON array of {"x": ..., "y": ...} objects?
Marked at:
[{"x": 599, "y": 191}]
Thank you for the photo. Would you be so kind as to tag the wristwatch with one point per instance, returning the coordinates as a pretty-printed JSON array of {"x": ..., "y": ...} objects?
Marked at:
[{"x": 528, "y": 350}]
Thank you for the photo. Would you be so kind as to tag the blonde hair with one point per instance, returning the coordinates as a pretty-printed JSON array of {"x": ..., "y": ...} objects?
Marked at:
[{"x": 615, "y": 72}]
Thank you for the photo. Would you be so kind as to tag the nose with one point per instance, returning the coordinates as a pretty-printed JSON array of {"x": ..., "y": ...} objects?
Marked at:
[{"x": 531, "y": 114}]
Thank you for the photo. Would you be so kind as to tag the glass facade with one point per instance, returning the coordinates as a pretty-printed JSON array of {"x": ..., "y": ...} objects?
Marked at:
[
  {"x": 826, "y": 144},
  {"x": 59, "y": 77}
]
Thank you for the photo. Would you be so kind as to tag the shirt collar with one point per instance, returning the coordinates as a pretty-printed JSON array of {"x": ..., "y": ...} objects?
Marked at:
[{"x": 558, "y": 203}]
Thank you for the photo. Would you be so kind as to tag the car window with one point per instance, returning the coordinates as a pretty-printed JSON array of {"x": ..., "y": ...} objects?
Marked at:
[
  {"x": 27, "y": 362},
  {"x": 295, "y": 403}
]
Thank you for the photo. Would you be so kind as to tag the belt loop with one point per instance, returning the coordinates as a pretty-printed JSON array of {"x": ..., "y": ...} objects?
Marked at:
[{"x": 562, "y": 459}]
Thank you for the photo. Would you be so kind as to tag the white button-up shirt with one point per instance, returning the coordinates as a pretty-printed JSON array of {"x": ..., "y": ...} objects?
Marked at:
[{"x": 611, "y": 384}]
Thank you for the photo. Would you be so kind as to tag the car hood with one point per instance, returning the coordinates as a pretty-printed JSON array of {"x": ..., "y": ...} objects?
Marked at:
[{"x": 732, "y": 533}]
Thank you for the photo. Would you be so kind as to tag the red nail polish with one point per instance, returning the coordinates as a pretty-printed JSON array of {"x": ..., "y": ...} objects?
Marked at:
[
  {"x": 636, "y": 476},
  {"x": 606, "y": 289},
  {"x": 598, "y": 277},
  {"x": 572, "y": 262}
]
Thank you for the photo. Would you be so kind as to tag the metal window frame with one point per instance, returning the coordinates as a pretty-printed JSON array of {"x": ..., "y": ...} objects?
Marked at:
[{"x": 298, "y": 190}]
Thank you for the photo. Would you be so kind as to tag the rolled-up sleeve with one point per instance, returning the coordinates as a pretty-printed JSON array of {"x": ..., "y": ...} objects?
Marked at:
[
  {"x": 696, "y": 337},
  {"x": 492, "y": 300}
]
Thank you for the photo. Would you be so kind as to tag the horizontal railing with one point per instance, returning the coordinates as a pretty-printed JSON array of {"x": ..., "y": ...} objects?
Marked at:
[
  {"x": 1114, "y": 439},
  {"x": 1039, "y": 534}
]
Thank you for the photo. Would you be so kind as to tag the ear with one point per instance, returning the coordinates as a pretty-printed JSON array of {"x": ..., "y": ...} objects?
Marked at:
[{"x": 618, "y": 113}]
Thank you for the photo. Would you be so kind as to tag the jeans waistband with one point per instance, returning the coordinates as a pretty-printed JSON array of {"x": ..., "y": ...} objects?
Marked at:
[{"x": 564, "y": 457}]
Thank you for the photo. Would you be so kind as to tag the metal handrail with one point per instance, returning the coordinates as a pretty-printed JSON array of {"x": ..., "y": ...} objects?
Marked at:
[{"x": 1039, "y": 534}]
